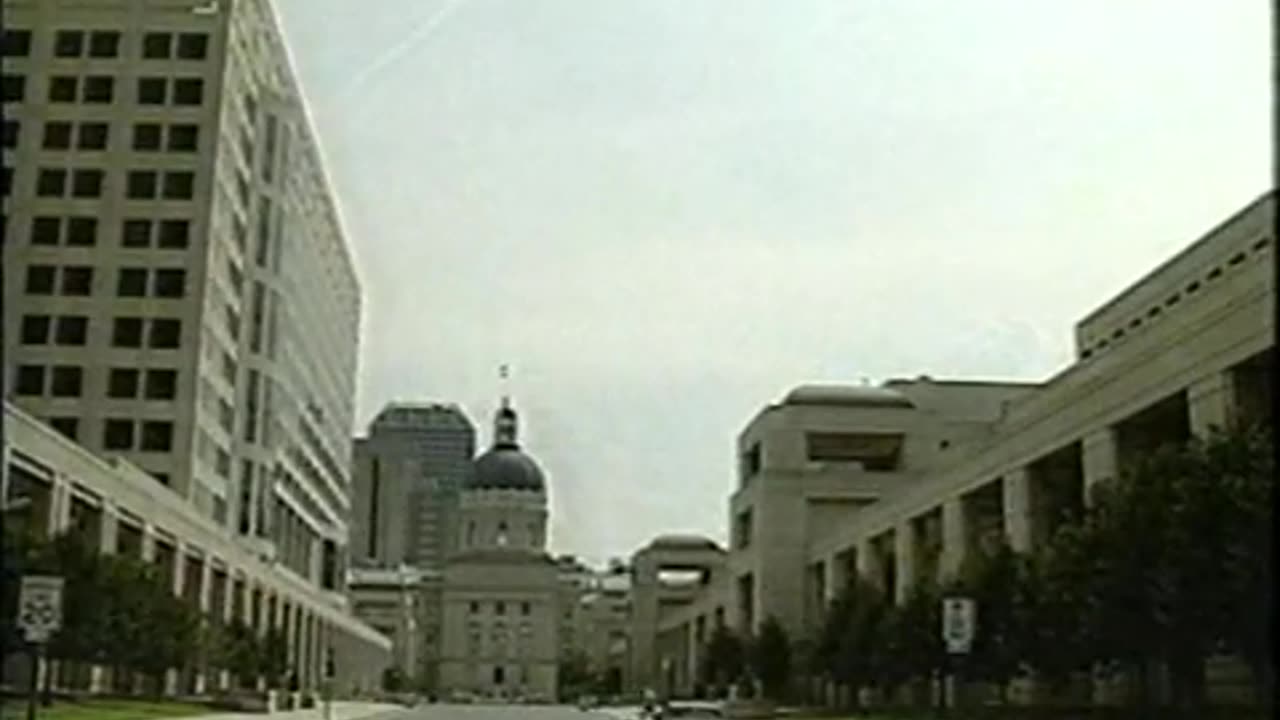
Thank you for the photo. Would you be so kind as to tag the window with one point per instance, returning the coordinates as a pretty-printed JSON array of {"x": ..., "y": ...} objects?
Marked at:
[
  {"x": 62, "y": 89},
  {"x": 157, "y": 45},
  {"x": 146, "y": 136},
  {"x": 57, "y": 135},
  {"x": 35, "y": 329},
  {"x": 45, "y": 230},
  {"x": 104, "y": 44},
  {"x": 174, "y": 234},
  {"x": 122, "y": 383},
  {"x": 131, "y": 282},
  {"x": 68, "y": 44},
  {"x": 11, "y": 129},
  {"x": 188, "y": 91},
  {"x": 157, "y": 435},
  {"x": 179, "y": 185},
  {"x": 51, "y": 182},
  {"x": 127, "y": 332},
  {"x": 86, "y": 184},
  {"x": 40, "y": 279},
  {"x": 29, "y": 380},
  {"x": 183, "y": 137},
  {"x": 151, "y": 91},
  {"x": 193, "y": 46},
  {"x": 72, "y": 330},
  {"x": 165, "y": 333},
  {"x": 141, "y": 185},
  {"x": 170, "y": 283},
  {"x": 15, "y": 43},
  {"x": 68, "y": 381},
  {"x": 875, "y": 451},
  {"x": 68, "y": 426},
  {"x": 525, "y": 608},
  {"x": 117, "y": 434},
  {"x": 475, "y": 607},
  {"x": 77, "y": 280},
  {"x": 6, "y": 180},
  {"x": 135, "y": 234},
  {"x": 13, "y": 88},
  {"x": 82, "y": 231},
  {"x": 162, "y": 384},
  {"x": 499, "y": 608},
  {"x": 99, "y": 89},
  {"x": 92, "y": 136}
]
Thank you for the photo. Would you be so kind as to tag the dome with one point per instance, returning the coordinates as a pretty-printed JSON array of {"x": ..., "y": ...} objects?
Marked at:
[
  {"x": 847, "y": 396},
  {"x": 505, "y": 467}
]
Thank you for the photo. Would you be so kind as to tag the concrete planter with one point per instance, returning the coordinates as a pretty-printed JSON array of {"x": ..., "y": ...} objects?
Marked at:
[{"x": 750, "y": 709}]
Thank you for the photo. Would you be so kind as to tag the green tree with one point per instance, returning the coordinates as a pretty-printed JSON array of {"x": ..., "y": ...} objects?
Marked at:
[
  {"x": 723, "y": 659},
  {"x": 850, "y": 649},
  {"x": 912, "y": 638},
  {"x": 994, "y": 577},
  {"x": 770, "y": 659}
]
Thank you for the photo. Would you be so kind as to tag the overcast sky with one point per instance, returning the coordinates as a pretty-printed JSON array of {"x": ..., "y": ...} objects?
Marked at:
[{"x": 666, "y": 213}]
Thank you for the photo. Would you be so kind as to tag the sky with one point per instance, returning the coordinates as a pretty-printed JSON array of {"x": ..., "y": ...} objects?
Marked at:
[{"x": 664, "y": 214}]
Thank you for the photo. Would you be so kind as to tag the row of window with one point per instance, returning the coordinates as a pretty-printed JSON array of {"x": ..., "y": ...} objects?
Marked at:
[
  {"x": 101, "y": 90},
  {"x": 17, "y": 42},
  {"x": 145, "y": 435},
  {"x": 122, "y": 383},
  {"x": 126, "y": 332},
  {"x": 500, "y": 608},
  {"x": 147, "y": 137},
  {"x": 81, "y": 231},
  {"x": 132, "y": 282},
  {"x": 85, "y": 183}
]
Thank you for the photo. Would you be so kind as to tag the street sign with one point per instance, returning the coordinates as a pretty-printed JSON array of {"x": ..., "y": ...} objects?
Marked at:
[
  {"x": 958, "y": 624},
  {"x": 40, "y": 607}
]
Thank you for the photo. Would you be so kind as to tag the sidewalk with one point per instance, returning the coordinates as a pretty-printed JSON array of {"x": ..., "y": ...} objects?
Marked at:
[{"x": 341, "y": 711}]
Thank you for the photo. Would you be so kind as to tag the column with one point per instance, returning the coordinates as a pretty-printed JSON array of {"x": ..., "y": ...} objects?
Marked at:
[
  {"x": 108, "y": 528},
  {"x": 59, "y": 505},
  {"x": 148, "y": 542},
  {"x": 904, "y": 558},
  {"x": 868, "y": 562},
  {"x": 1016, "y": 486},
  {"x": 955, "y": 537},
  {"x": 835, "y": 579},
  {"x": 1100, "y": 457},
  {"x": 1211, "y": 403}
]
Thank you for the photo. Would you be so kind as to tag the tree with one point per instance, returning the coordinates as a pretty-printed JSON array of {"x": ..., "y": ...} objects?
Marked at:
[
  {"x": 912, "y": 638},
  {"x": 770, "y": 659},
  {"x": 850, "y": 648},
  {"x": 994, "y": 578},
  {"x": 723, "y": 659}
]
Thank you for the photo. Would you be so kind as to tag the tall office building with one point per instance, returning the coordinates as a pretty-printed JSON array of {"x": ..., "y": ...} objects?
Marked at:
[
  {"x": 178, "y": 289},
  {"x": 408, "y": 473}
]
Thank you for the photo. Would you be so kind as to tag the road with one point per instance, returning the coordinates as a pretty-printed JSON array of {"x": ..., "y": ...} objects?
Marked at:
[{"x": 497, "y": 712}]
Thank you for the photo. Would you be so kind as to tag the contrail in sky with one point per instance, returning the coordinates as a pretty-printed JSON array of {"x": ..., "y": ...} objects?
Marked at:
[{"x": 398, "y": 50}]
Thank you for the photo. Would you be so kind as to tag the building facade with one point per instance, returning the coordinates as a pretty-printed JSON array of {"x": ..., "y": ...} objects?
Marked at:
[
  {"x": 409, "y": 471},
  {"x": 905, "y": 480}
]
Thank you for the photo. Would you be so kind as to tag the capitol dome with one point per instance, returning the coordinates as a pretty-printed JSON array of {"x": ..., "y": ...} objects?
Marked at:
[{"x": 505, "y": 466}]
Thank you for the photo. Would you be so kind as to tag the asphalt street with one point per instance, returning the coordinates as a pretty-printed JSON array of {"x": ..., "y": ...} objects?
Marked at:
[{"x": 501, "y": 712}]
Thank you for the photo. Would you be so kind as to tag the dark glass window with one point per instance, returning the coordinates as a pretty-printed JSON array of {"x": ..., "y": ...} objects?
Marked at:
[
  {"x": 157, "y": 435},
  {"x": 175, "y": 234},
  {"x": 72, "y": 330},
  {"x": 146, "y": 136},
  {"x": 99, "y": 89},
  {"x": 11, "y": 130},
  {"x": 29, "y": 380},
  {"x": 15, "y": 43},
  {"x": 51, "y": 182},
  {"x": 131, "y": 282},
  {"x": 135, "y": 234},
  {"x": 117, "y": 434},
  {"x": 77, "y": 280},
  {"x": 57, "y": 135},
  {"x": 68, "y": 43},
  {"x": 141, "y": 184},
  {"x": 193, "y": 46},
  {"x": 170, "y": 283},
  {"x": 35, "y": 329},
  {"x": 162, "y": 384},
  {"x": 157, "y": 45},
  {"x": 67, "y": 381},
  {"x": 45, "y": 230},
  {"x": 188, "y": 91},
  {"x": 13, "y": 88},
  {"x": 68, "y": 426},
  {"x": 166, "y": 333},
  {"x": 6, "y": 180},
  {"x": 40, "y": 279},
  {"x": 62, "y": 89},
  {"x": 82, "y": 231},
  {"x": 122, "y": 383},
  {"x": 179, "y": 185},
  {"x": 127, "y": 332},
  {"x": 92, "y": 136},
  {"x": 183, "y": 138},
  {"x": 86, "y": 183},
  {"x": 151, "y": 91},
  {"x": 104, "y": 44}
]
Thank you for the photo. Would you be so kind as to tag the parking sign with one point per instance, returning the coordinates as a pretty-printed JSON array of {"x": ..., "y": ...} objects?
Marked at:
[
  {"x": 958, "y": 620},
  {"x": 40, "y": 607}
]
